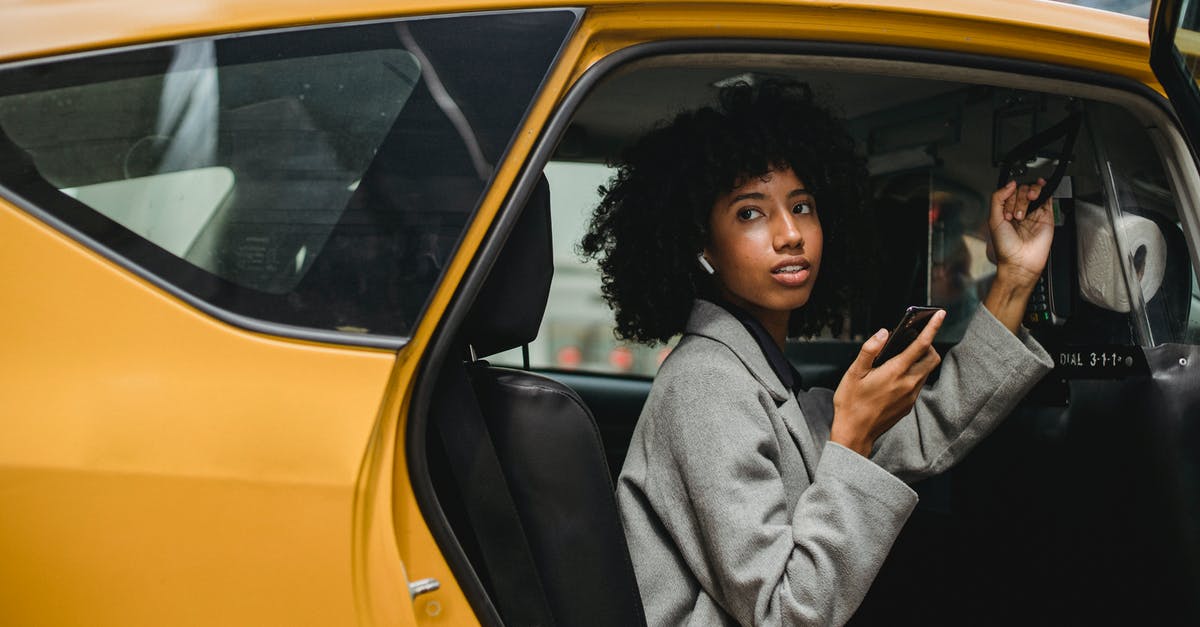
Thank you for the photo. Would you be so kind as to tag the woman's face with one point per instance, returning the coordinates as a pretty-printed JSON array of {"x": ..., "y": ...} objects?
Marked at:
[{"x": 765, "y": 243}]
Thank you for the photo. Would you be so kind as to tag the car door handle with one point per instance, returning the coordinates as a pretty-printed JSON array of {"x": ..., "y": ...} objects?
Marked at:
[{"x": 423, "y": 586}]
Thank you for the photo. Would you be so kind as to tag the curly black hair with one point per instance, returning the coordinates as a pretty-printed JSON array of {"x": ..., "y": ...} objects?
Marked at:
[{"x": 653, "y": 219}]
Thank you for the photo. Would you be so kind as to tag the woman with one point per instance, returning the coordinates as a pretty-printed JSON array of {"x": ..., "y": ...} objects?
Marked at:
[{"x": 745, "y": 498}]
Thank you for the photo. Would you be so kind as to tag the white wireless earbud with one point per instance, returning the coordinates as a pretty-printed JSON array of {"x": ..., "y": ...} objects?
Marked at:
[{"x": 705, "y": 264}]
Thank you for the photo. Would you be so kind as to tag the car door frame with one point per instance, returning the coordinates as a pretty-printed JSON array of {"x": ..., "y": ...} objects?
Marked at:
[{"x": 549, "y": 136}]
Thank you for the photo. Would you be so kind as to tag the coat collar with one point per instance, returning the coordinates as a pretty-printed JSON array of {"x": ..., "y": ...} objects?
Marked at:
[{"x": 714, "y": 322}]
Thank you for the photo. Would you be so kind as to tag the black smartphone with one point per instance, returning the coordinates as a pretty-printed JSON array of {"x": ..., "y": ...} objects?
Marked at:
[{"x": 914, "y": 321}]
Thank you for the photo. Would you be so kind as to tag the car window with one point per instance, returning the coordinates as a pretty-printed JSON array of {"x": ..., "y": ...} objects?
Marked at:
[{"x": 316, "y": 178}]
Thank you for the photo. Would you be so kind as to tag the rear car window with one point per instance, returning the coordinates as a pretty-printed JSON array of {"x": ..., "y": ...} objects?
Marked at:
[{"x": 315, "y": 178}]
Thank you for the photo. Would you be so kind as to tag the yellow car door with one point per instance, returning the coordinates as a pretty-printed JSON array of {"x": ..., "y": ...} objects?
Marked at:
[{"x": 218, "y": 250}]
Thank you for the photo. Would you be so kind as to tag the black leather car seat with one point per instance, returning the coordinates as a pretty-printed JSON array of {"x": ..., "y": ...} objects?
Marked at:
[{"x": 562, "y": 511}]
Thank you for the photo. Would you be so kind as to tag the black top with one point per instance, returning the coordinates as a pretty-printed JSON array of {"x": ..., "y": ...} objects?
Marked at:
[{"x": 779, "y": 363}]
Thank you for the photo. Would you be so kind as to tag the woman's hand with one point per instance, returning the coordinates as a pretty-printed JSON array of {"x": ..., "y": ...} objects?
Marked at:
[
  {"x": 1021, "y": 239},
  {"x": 869, "y": 400},
  {"x": 1021, "y": 236}
]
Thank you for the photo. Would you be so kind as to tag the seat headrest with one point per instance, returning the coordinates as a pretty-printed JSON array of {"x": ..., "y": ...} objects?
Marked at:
[{"x": 509, "y": 308}]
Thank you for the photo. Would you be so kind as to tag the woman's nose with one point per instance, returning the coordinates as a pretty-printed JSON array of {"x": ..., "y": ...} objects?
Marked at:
[{"x": 787, "y": 233}]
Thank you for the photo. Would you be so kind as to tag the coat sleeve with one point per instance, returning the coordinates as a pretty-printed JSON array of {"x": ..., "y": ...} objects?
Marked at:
[
  {"x": 981, "y": 380},
  {"x": 721, "y": 497}
]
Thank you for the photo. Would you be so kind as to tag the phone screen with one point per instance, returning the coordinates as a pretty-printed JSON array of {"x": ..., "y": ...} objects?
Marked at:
[{"x": 914, "y": 321}]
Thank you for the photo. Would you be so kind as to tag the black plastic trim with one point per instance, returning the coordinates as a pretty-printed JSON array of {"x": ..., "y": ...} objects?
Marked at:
[
  {"x": 459, "y": 306},
  {"x": 249, "y": 323}
]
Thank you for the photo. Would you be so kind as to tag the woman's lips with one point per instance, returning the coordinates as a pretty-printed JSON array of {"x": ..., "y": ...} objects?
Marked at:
[
  {"x": 792, "y": 276},
  {"x": 792, "y": 272}
]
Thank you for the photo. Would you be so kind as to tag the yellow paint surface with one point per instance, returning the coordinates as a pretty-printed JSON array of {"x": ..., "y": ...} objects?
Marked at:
[
  {"x": 159, "y": 467},
  {"x": 37, "y": 27}
]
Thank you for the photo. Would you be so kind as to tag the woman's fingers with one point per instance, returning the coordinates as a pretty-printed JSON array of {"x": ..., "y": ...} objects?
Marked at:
[
  {"x": 924, "y": 341},
  {"x": 1048, "y": 205},
  {"x": 1001, "y": 201},
  {"x": 1025, "y": 196},
  {"x": 869, "y": 351},
  {"x": 1012, "y": 201},
  {"x": 1035, "y": 190},
  {"x": 925, "y": 364},
  {"x": 887, "y": 397}
]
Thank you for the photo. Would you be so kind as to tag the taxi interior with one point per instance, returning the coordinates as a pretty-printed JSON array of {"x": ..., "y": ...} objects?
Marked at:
[{"x": 1085, "y": 494}]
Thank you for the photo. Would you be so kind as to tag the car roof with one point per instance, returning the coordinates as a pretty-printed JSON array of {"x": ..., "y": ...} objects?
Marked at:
[{"x": 36, "y": 28}]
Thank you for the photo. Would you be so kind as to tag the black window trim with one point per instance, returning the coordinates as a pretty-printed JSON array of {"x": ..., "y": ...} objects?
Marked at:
[
  {"x": 249, "y": 323},
  {"x": 456, "y": 311}
]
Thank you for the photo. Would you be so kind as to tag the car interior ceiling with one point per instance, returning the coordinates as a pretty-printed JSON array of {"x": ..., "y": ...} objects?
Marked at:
[{"x": 1078, "y": 489}]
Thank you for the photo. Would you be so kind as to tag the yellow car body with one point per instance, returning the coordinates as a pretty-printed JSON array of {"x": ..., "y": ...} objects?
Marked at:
[{"x": 159, "y": 466}]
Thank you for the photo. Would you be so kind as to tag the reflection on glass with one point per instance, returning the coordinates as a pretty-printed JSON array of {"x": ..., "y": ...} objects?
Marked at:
[
  {"x": 188, "y": 107},
  {"x": 958, "y": 262},
  {"x": 168, "y": 209}
]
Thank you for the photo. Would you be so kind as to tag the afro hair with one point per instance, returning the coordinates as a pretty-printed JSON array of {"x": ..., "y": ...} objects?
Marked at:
[{"x": 654, "y": 215}]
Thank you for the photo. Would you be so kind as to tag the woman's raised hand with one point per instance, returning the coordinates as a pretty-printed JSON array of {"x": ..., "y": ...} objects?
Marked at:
[
  {"x": 868, "y": 401},
  {"x": 1021, "y": 235},
  {"x": 1021, "y": 239}
]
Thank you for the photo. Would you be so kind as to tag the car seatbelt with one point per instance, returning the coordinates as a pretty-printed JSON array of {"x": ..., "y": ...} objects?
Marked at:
[{"x": 490, "y": 508}]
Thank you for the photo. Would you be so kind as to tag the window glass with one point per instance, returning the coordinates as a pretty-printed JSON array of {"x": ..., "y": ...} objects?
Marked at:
[
  {"x": 135, "y": 203},
  {"x": 1144, "y": 220},
  {"x": 1136, "y": 8},
  {"x": 317, "y": 177},
  {"x": 933, "y": 162},
  {"x": 933, "y": 229},
  {"x": 577, "y": 329}
]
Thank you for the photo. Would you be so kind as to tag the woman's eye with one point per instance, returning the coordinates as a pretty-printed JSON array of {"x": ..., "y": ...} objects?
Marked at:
[
  {"x": 748, "y": 213},
  {"x": 802, "y": 208}
]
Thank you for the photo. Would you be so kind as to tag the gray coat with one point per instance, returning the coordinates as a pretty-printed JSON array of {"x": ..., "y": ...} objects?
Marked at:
[{"x": 737, "y": 507}]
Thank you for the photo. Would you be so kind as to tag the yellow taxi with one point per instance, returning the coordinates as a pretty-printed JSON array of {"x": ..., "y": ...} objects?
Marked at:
[{"x": 294, "y": 332}]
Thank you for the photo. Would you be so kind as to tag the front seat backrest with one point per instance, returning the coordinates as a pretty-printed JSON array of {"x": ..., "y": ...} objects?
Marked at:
[{"x": 547, "y": 442}]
